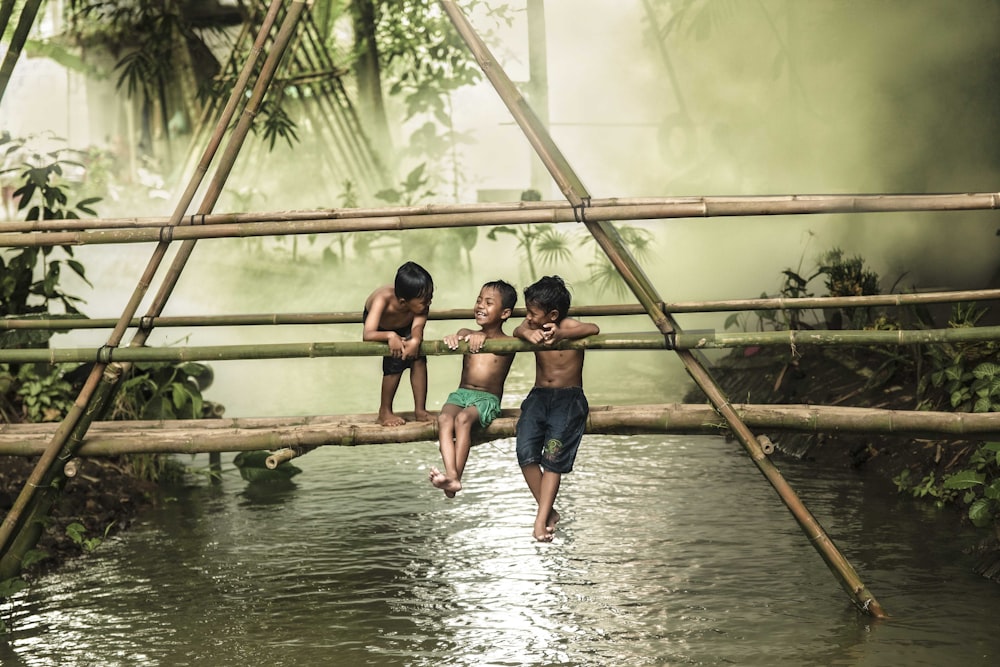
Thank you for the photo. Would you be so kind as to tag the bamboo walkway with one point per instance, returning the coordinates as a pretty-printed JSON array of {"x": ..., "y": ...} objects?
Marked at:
[{"x": 81, "y": 433}]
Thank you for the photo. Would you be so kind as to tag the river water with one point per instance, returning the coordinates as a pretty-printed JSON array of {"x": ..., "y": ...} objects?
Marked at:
[{"x": 673, "y": 551}]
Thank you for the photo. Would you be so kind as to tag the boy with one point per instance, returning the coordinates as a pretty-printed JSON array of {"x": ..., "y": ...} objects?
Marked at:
[
  {"x": 396, "y": 314},
  {"x": 554, "y": 414},
  {"x": 479, "y": 392}
]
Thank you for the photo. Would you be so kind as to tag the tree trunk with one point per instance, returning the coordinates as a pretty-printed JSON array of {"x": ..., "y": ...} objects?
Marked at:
[{"x": 368, "y": 74}]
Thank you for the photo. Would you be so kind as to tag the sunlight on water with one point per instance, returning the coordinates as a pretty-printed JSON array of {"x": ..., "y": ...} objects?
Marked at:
[{"x": 671, "y": 551}]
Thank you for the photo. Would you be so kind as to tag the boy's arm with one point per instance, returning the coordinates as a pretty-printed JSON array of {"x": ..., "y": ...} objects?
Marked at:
[
  {"x": 411, "y": 346},
  {"x": 573, "y": 329},
  {"x": 526, "y": 333},
  {"x": 371, "y": 329}
]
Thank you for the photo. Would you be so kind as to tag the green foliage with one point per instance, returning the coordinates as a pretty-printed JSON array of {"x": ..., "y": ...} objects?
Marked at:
[
  {"x": 29, "y": 277},
  {"x": 163, "y": 391},
  {"x": 964, "y": 376},
  {"x": 413, "y": 189},
  {"x": 603, "y": 274},
  {"x": 77, "y": 532},
  {"x": 38, "y": 392}
]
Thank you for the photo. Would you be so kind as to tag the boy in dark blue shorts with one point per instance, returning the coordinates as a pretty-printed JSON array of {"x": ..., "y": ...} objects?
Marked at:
[
  {"x": 554, "y": 414},
  {"x": 481, "y": 387},
  {"x": 396, "y": 314}
]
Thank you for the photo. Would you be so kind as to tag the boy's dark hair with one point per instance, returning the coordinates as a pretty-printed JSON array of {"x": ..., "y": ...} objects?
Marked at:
[
  {"x": 508, "y": 295},
  {"x": 549, "y": 293},
  {"x": 413, "y": 281}
]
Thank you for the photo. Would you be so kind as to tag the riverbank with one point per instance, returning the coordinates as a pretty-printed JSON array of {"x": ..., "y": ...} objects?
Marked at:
[
  {"x": 104, "y": 497},
  {"x": 855, "y": 377}
]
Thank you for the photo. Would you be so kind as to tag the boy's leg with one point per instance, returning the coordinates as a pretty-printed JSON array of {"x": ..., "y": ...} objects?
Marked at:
[
  {"x": 448, "y": 481},
  {"x": 386, "y": 417},
  {"x": 544, "y": 486},
  {"x": 464, "y": 422},
  {"x": 418, "y": 382},
  {"x": 546, "y": 518}
]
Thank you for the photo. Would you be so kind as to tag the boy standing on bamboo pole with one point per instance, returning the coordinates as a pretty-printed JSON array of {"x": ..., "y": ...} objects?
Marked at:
[
  {"x": 478, "y": 395},
  {"x": 396, "y": 314},
  {"x": 554, "y": 414}
]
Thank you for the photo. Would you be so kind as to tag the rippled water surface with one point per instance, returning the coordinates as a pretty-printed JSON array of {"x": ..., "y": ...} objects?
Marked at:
[{"x": 673, "y": 551}]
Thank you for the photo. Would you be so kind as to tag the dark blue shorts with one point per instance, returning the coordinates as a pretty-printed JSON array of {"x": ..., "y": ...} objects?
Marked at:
[{"x": 551, "y": 426}]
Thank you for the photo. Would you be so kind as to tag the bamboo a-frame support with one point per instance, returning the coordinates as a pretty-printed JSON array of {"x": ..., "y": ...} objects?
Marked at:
[
  {"x": 609, "y": 240},
  {"x": 102, "y": 381},
  {"x": 70, "y": 437}
]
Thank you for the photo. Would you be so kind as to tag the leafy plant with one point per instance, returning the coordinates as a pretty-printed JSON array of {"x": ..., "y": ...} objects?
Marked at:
[
  {"x": 77, "y": 532},
  {"x": 603, "y": 274},
  {"x": 43, "y": 194},
  {"x": 42, "y": 391},
  {"x": 163, "y": 391}
]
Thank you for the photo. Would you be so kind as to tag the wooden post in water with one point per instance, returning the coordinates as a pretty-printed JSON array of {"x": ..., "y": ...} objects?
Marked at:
[
  {"x": 100, "y": 385},
  {"x": 609, "y": 240}
]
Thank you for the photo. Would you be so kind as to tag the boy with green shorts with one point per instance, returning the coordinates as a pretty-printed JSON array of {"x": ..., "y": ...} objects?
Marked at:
[{"x": 477, "y": 398}]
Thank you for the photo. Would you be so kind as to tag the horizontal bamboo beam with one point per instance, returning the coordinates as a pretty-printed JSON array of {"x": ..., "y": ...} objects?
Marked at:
[
  {"x": 689, "y": 340},
  {"x": 602, "y": 210},
  {"x": 776, "y": 303},
  {"x": 707, "y": 206},
  {"x": 303, "y": 433}
]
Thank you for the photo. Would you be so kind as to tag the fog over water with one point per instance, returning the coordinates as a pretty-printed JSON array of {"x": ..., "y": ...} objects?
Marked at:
[{"x": 773, "y": 97}]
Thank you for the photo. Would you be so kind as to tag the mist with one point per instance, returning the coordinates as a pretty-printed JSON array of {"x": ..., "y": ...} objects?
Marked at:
[{"x": 773, "y": 97}]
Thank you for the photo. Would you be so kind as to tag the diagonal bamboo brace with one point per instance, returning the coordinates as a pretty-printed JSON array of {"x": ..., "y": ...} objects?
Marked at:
[{"x": 609, "y": 241}]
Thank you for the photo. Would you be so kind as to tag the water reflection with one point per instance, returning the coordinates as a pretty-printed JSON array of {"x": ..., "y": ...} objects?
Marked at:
[{"x": 672, "y": 551}]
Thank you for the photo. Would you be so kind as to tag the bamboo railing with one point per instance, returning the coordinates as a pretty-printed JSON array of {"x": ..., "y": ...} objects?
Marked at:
[
  {"x": 354, "y": 317},
  {"x": 231, "y": 435},
  {"x": 145, "y": 230},
  {"x": 679, "y": 341}
]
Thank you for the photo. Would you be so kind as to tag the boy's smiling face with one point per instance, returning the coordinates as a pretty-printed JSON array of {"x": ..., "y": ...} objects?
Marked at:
[
  {"x": 489, "y": 308},
  {"x": 538, "y": 318}
]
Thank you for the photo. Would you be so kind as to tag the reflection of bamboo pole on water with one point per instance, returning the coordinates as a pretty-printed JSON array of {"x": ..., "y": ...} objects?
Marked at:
[
  {"x": 354, "y": 317},
  {"x": 611, "y": 243}
]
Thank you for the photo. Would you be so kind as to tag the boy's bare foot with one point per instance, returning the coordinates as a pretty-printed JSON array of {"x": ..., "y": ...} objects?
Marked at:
[
  {"x": 423, "y": 416},
  {"x": 553, "y": 519},
  {"x": 390, "y": 419},
  {"x": 544, "y": 533},
  {"x": 443, "y": 482}
]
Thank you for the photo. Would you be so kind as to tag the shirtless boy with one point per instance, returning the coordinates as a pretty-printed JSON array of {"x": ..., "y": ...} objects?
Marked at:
[
  {"x": 481, "y": 387},
  {"x": 396, "y": 314},
  {"x": 554, "y": 414}
]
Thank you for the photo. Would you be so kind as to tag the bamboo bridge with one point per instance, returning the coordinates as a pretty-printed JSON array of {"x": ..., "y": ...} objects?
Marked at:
[{"x": 82, "y": 433}]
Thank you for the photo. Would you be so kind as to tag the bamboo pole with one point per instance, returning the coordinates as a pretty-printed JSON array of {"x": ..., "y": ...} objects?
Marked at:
[
  {"x": 653, "y": 208},
  {"x": 681, "y": 342},
  {"x": 609, "y": 240},
  {"x": 354, "y": 317},
  {"x": 101, "y": 382},
  {"x": 17, "y": 41},
  {"x": 300, "y": 434}
]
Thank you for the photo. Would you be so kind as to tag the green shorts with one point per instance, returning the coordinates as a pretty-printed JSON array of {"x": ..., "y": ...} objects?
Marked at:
[{"x": 488, "y": 404}]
